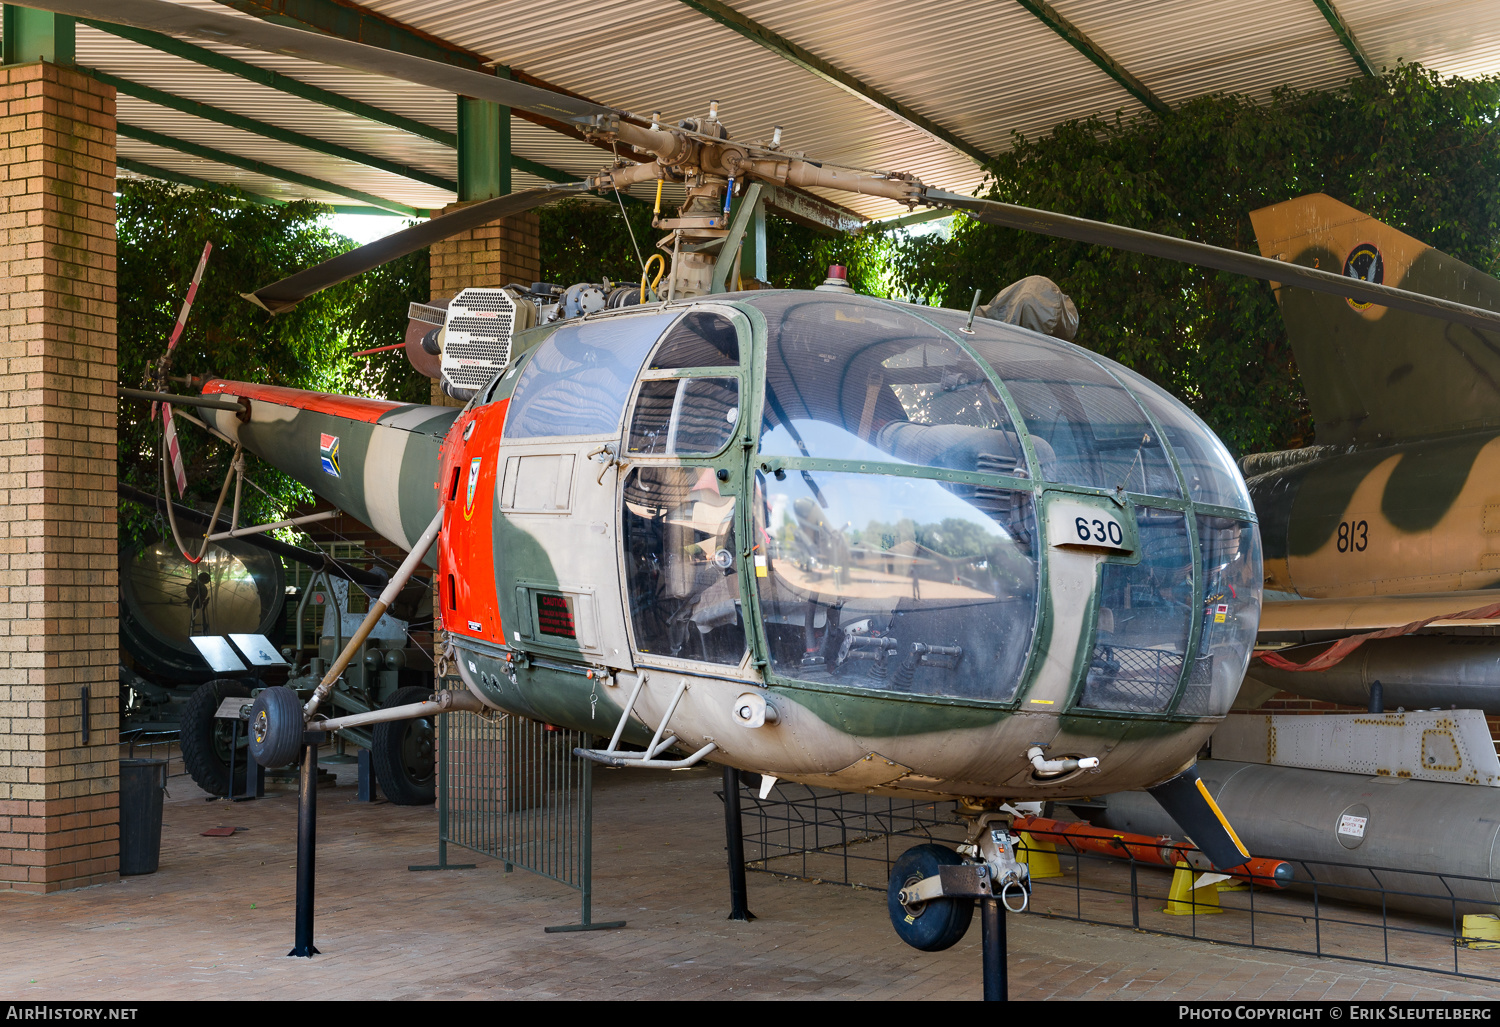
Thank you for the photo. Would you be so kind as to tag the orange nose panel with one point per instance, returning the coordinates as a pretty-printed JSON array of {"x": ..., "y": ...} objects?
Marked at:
[{"x": 466, "y": 554}]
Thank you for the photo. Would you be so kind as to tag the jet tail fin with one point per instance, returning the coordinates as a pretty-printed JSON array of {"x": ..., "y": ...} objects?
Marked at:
[{"x": 1373, "y": 374}]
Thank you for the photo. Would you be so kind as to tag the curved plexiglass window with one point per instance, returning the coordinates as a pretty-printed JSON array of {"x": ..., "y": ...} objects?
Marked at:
[
  {"x": 1211, "y": 474},
  {"x": 684, "y": 416},
  {"x": 680, "y": 571},
  {"x": 1087, "y": 429},
  {"x": 1231, "y": 613},
  {"x": 701, "y": 339},
  {"x": 1144, "y": 616},
  {"x": 579, "y": 378},
  {"x": 856, "y": 379},
  {"x": 898, "y": 583}
]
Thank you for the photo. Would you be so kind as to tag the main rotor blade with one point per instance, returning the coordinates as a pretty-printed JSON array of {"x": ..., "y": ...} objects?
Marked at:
[
  {"x": 1134, "y": 240},
  {"x": 287, "y": 293},
  {"x": 254, "y": 34}
]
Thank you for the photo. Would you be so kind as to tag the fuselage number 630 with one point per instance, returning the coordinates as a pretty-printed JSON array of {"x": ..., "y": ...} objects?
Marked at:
[
  {"x": 1072, "y": 523},
  {"x": 1096, "y": 531}
]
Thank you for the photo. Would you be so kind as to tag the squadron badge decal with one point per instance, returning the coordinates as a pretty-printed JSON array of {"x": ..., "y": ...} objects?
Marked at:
[
  {"x": 473, "y": 483},
  {"x": 328, "y": 447},
  {"x": 1365, "y": 263}
]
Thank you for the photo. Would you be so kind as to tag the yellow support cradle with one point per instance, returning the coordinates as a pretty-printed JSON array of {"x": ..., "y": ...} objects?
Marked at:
[
  {"x": 1040, "y": 856},
  {"x": 1187, "y": 899},
  {"x": 1481, "y": 931}
]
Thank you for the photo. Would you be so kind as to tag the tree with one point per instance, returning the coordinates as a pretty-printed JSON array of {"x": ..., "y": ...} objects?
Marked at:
[
  {"x": 162, "y": 229},
  {"x": 1415, "y": 151}
]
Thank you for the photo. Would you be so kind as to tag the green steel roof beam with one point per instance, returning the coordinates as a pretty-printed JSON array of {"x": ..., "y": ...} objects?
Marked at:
[
  {"x": 1086, "y": 46},
  {"x": 261, "y": 168},
  {"x": 807, "y": 61},
  {"x": 274, "y": 80},
  {"x": 1345, "y": 36},
  {"x": 348, "y": 20},
  {"x": 261, "y": 128},
  {"x": 166, "y": 175},
  {"x": 907, "y": 220},
  {"x": 361, "y": 25}
]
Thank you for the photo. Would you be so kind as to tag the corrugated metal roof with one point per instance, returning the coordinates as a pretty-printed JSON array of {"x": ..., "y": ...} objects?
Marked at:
[{"x": 979, "y": 69}]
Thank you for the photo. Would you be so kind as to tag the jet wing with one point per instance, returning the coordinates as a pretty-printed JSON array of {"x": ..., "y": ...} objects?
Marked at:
[{"x": 1287, "y": 618}]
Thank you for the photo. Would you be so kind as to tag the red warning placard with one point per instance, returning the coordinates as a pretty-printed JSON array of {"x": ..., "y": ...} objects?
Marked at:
[{"x": 554, "y": 616}]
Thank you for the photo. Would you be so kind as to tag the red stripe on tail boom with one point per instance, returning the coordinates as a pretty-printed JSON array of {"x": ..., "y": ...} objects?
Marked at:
[{"x": 351, "y": 407}]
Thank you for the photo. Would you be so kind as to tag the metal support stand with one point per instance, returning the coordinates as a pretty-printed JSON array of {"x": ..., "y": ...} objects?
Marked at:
[
  {"x": 307, "y": 844},
  {"x": 366, "y": 777},
  {"x": 992, "y": 942},
  {"x": 734, "y": 837},
  {"x": 255, "y": 774}
]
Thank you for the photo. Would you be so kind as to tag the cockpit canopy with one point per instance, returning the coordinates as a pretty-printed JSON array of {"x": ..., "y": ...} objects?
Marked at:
[{"x": 897, "y": 474}]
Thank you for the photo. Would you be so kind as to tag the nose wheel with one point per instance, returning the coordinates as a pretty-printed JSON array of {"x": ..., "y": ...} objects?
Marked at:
[
  {"x": 933, "y": 890},
  {"x": 933, "y": 924}
]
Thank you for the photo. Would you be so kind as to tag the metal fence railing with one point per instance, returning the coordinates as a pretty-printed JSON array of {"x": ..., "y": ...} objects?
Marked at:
[
  {"x": 1417, "y": 920},
  {"x": 511, "y": 789}
]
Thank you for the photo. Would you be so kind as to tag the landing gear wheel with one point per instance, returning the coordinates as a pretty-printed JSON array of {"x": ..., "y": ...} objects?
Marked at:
[
  {"x": 404, "y": 752},
  {"x": 276, "y": 727},
  {"x": 936, "y": 924},
  {"x": 205, "y": 740}
]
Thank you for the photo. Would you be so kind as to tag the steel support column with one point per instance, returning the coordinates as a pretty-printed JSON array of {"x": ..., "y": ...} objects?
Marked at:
[
  {"x": 35, "y": 36},
  {"x": 483, "y": 149}
]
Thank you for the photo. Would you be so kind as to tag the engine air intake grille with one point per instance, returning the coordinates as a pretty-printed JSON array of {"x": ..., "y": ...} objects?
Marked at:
[{"x": 476, "y": 344}]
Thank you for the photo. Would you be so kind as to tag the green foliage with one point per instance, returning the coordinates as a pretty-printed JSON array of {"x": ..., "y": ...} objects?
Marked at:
[
  {"x": 162, "y": 229},
  {"x": 1417, "y": 152},
  {"x": 588, "y": 241},
  {"x": 798, "y": 257}
]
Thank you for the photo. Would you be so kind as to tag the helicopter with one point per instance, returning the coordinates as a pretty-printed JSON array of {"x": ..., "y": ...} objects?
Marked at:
[{"x": 817, "y": 536}]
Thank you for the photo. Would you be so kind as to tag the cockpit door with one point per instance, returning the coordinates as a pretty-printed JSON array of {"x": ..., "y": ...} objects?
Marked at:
[
  {"x": 681, "y": 498},
  {"x": 556, "y": 534}
]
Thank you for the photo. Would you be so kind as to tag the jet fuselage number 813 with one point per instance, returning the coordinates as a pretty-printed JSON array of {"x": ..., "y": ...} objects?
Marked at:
[{"x": 1354, "y": 536}]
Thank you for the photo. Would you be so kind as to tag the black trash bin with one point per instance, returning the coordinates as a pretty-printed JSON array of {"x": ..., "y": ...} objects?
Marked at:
[{"x": 142, "y": 784}]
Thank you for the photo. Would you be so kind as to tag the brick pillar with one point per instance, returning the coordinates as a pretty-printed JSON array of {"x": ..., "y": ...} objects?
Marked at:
[
  {"x": 59, "y": 627},
  {"x": 505, "y": 252}
]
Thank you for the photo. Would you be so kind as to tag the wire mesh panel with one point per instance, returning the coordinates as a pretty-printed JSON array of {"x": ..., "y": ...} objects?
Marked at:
[
  {"x": 1443, "y": 923},
  {"x": 801, "y": 831},
  {"x": 511, "y": 788}
]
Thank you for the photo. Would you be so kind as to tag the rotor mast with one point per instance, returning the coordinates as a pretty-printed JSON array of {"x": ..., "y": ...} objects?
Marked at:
[{"x": 700, "y": 154}]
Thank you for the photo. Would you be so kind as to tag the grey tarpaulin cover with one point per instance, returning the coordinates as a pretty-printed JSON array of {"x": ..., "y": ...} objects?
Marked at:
[{"x": 1036, "y": 303}]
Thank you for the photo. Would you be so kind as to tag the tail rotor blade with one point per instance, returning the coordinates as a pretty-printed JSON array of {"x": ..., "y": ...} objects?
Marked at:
[
  {"x": 174, "y": 449},
  {"x": 1135, "y": 240},
  {"x": 187, "y": 304},
  {"x": 287, "y": 293}
]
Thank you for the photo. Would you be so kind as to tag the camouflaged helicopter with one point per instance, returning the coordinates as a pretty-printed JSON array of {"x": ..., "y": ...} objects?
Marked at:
[
  {"x": 813, "y": 535},
  {"x": 1390, "y": 523}
]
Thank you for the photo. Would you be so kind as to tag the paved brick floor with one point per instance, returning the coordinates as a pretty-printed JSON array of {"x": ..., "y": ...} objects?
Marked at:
[{"x": 216, "y": 921}]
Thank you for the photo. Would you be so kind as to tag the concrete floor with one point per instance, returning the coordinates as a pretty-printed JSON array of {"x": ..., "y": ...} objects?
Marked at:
[{"x": 216, "y": 921}]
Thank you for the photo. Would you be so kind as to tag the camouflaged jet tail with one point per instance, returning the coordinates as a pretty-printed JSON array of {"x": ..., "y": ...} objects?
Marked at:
[{"x": 1374, "y": 374}]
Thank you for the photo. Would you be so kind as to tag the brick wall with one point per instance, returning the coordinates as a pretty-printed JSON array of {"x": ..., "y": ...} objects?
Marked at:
[
  {"x": 58, "y": 582},
  {"x": 501, "y": 253},
  {"x": 506, "y": 252}
]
